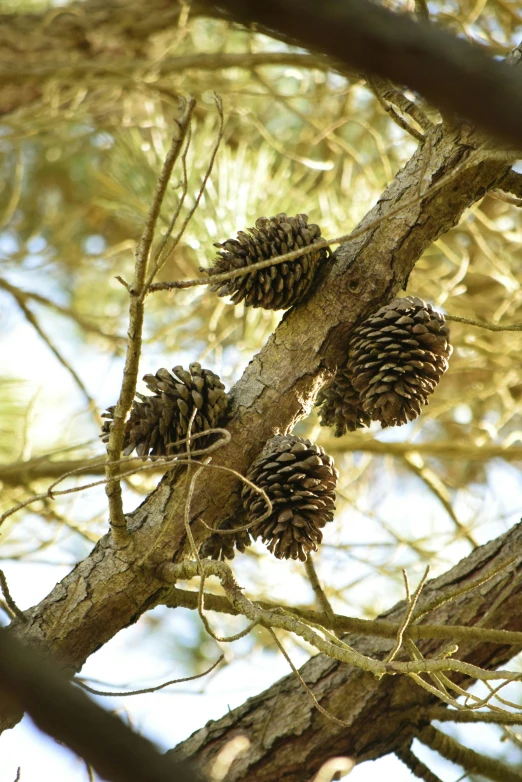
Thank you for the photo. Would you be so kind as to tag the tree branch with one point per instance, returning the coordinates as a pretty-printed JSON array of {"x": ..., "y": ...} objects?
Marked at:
[
  {"x": 42, "y": 467},
  {"x": 452, "y": 74},
  {"x": 471, "y": 761},
  {"x": 111, "y": 589},
  {"x": 113, "y": 749}
]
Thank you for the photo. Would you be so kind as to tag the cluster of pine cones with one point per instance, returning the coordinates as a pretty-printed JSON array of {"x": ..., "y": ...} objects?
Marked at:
[{"x": 394, "y": 361}]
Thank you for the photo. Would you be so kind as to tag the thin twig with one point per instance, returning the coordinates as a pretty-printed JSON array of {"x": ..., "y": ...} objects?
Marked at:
[
  {"x": 416, "y": 464},
  {"x": 9, "y": 600},
  {"x": 388, "y": 108},
  {"x": 473, "y": 158},
  {"x": 458, "y": 591},
  {"x": 304, "y": 685},
  {"x": 499, "y": 196},
  {"x": 84, "y": 686},
  {"x": 441, "y": 714},
  {"x": 346, "y": 624},
  {"x": 162, "y": 258},
  {"x": 31, "y": 318},
  {"x": 137, "y": 294},
  {"x": 322, "y": 600},
  {"x": 201, "y": 568},
  {"x": 167, "y": 461},
  {"x": 416, "y": 766},
  {"x": 412, "y": 602},
  {"x": 337, "y": 649},
  {"x": 481, "y": 324}
]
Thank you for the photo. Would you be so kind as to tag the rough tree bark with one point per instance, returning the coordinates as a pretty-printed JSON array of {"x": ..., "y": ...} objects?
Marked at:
[{"x": 111, "y": 588}]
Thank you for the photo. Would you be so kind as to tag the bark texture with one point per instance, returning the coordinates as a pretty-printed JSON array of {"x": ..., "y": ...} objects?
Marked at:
[
  {"x": 290, "y": 739},
  {"x": 110, "y": 589}
]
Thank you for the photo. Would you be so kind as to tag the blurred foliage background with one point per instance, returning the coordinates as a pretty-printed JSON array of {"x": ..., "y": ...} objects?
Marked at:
[{"x": 78, "y": 168}]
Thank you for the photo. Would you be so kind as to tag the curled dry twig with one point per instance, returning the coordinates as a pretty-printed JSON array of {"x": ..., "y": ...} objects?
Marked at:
[{"x": 81, "y": 683}]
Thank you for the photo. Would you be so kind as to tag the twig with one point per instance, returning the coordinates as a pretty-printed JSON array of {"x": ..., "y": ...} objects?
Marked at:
[
  {"x": 9, "y": 600},
  {"x": 441, "y": 714},
  {"x": 471, "y": 761},
  {"x": 474, "y": 158},
  {"x": 416, "y": 766},
  {"x": 304, "y": 685},
  {"x": 338, "y": 649},
  {"x": 481, "y": 324},
  {"x": 84, "y": 686},
  {"x": 388, "y": 108},
  {"x": 454, "y": 592},
  {"x": 499, "y": 196},
  {"x": 201, "y": 569},
  {"x": 42, "y": 467},
  {"x": 412, "y": 602},
  {"x": 161, "y": 258},
  {"x": 66, "y": 312},
  {"x": 322, "y": 600},
  {"x": 416, "y": 464},
  {"x": 347, "y": 624},
  {"x": 137, "y": 294}
]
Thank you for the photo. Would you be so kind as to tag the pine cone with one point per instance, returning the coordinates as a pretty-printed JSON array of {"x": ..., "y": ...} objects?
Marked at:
[
  {"x": 218, "y": 546},
  {"x": 300, "y": 480},
  {"x": 340, "y": 405},
  {"x": 275, "y": 287},
  {"x": 396, "y": 358},
  {"x": 158, "y": 421}
]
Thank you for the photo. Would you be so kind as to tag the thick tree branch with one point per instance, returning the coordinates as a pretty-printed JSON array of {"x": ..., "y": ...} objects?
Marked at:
[
  {"x": 449, "y": 72},
  {"x": 63, "y": 711}
]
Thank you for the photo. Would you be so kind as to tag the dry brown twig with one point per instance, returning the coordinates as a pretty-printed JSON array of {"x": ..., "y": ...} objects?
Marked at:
[
  {"x": 9, "y": 600},
  {"x": 137, "y": 294},
  {"x": 81, "y": 683}
]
